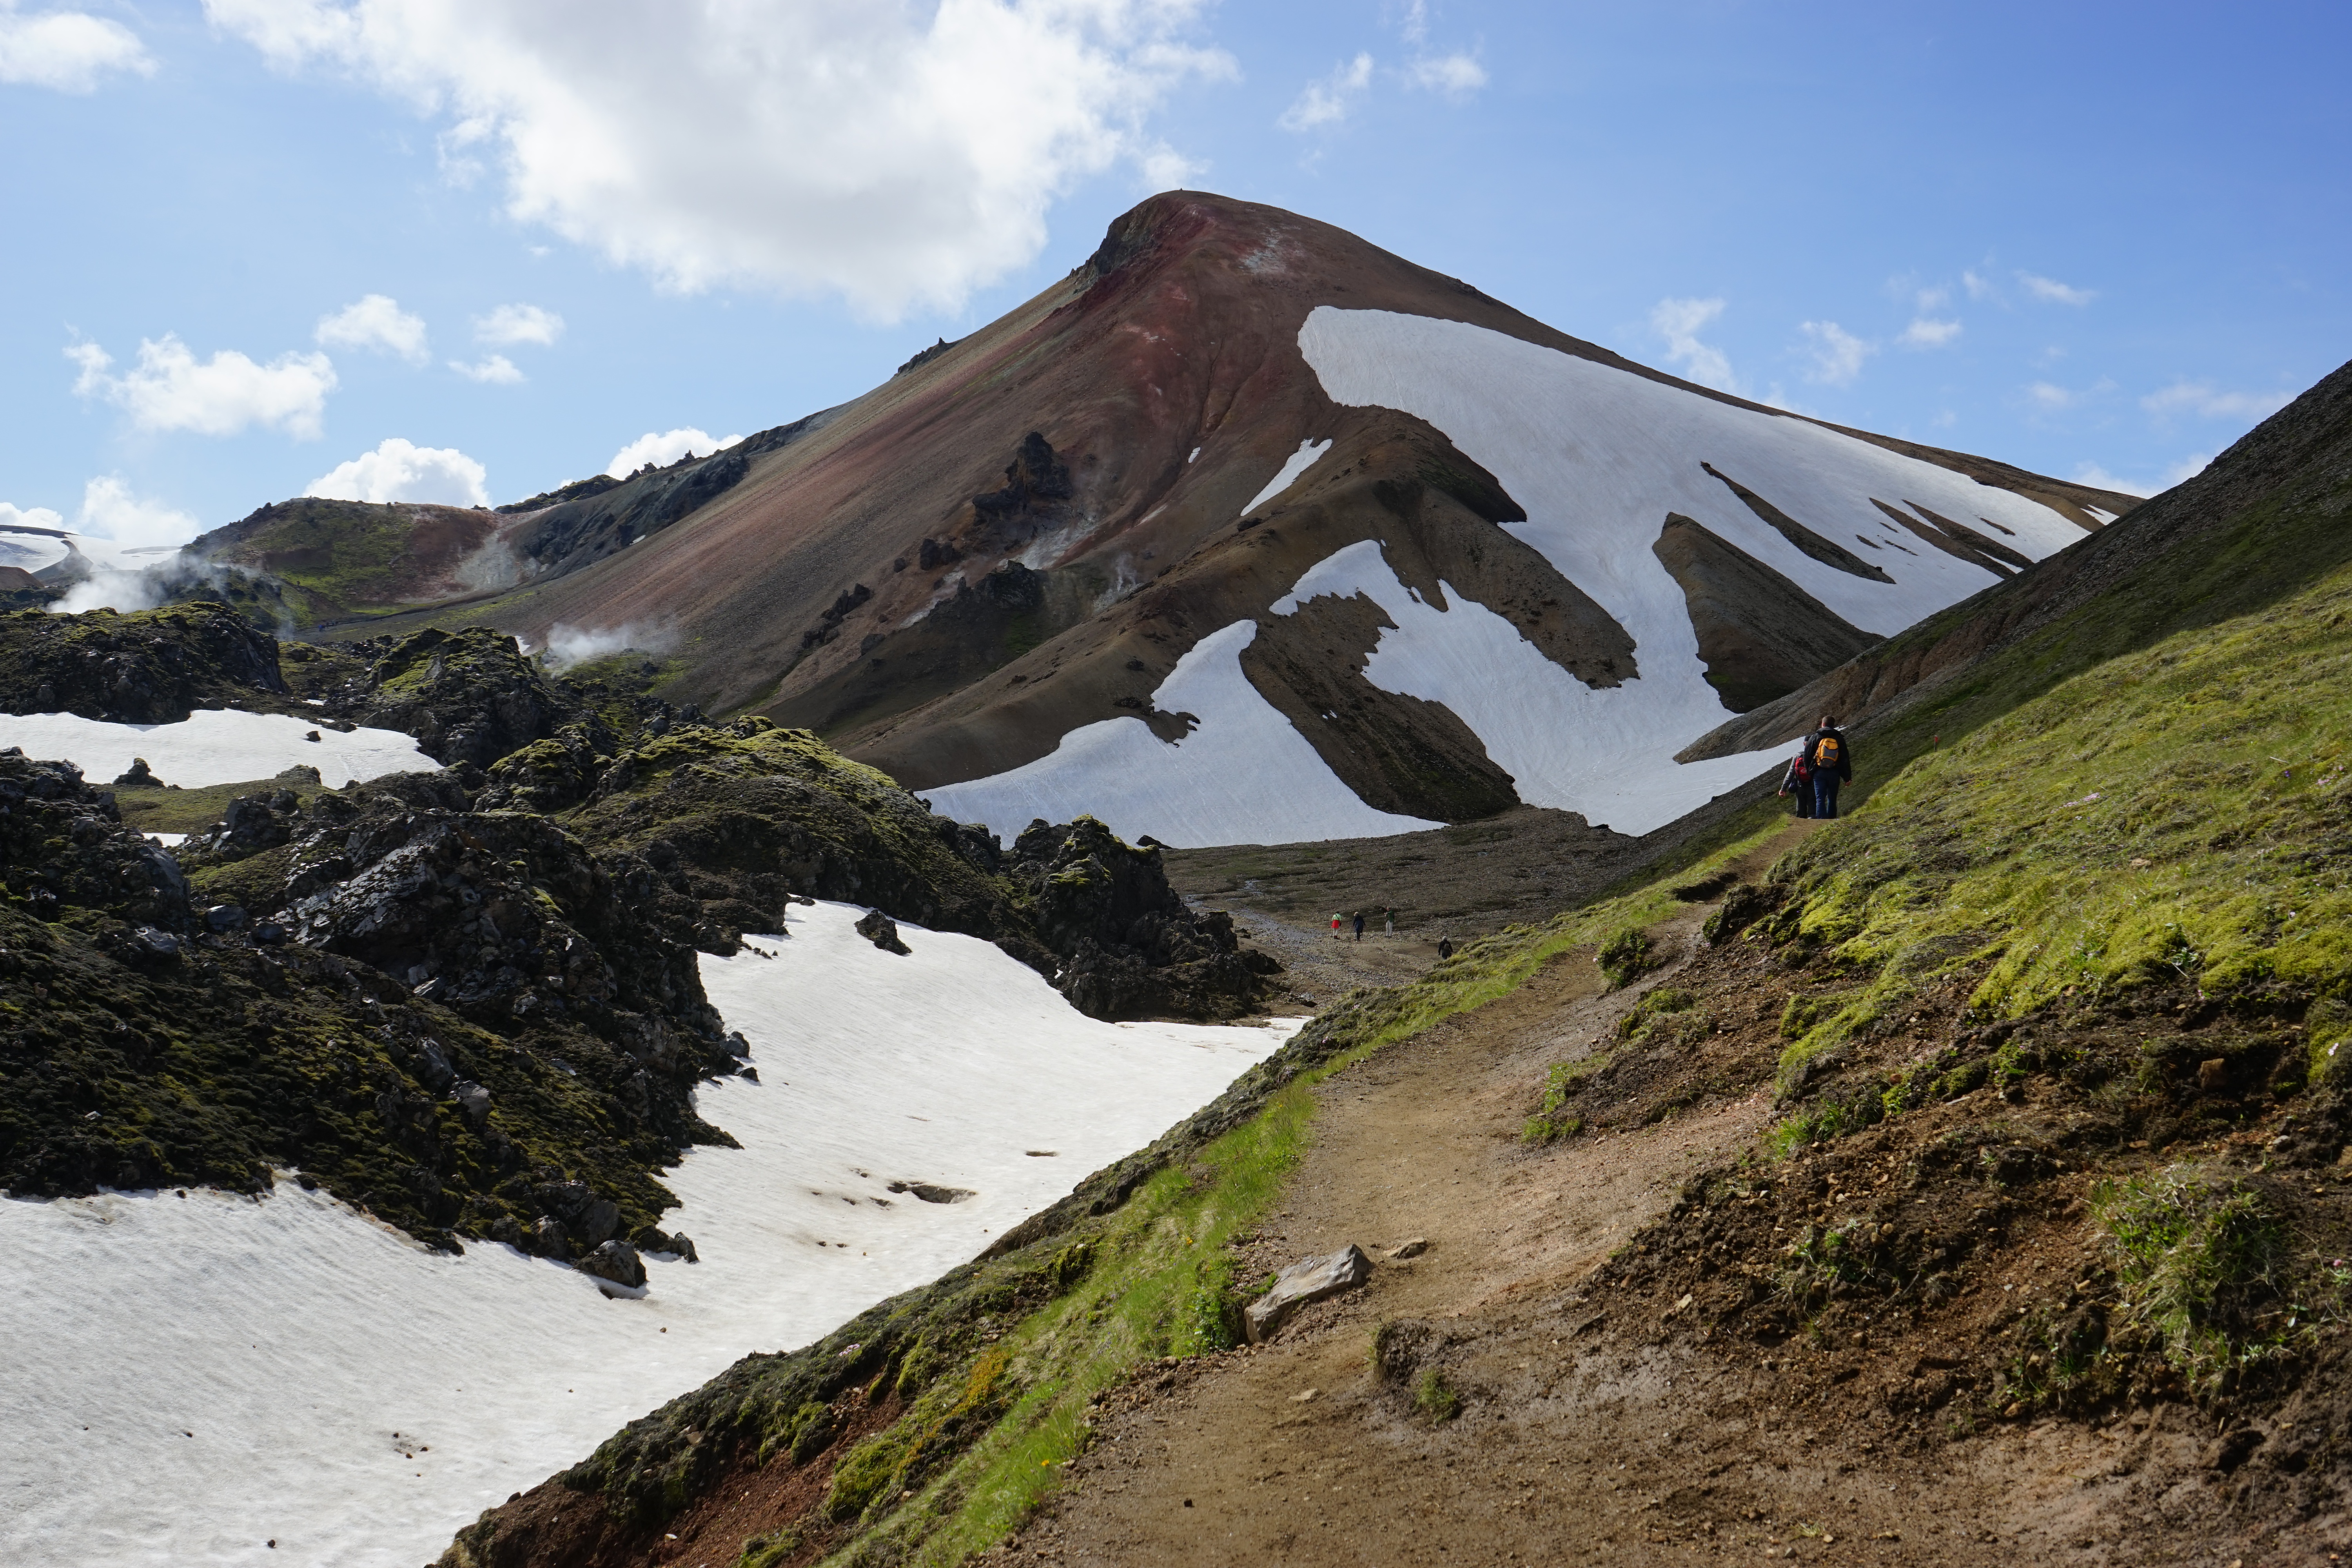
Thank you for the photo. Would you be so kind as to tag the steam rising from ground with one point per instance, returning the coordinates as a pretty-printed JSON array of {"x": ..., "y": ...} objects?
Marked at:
[{"x": 568, "y": 646}]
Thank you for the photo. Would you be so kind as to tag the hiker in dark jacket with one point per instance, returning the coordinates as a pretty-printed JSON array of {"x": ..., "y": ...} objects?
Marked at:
[
  {"x": 1799, "y": 780},
  {"x": 1830, "y": 755}
]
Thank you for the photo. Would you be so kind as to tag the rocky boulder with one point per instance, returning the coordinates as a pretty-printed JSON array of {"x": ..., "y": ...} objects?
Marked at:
[
  {"x": 154, "y": 666},
  {"x": 467, "y": 696},
  {"x": 63, "y": 846},
  {"x": 1307, "y": 1280}
]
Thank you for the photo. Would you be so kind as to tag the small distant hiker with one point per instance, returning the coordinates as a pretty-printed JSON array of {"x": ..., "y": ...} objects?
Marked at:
[
  {"x": 1392, "y": 921},
  {"x": 1335, "y": 925},
  {"x": 1360, "y": 925},
  {"x": 1799, "y": 780},
  {"x": 1830, "y": 755},
  {"x": 1444, "y": 947}
]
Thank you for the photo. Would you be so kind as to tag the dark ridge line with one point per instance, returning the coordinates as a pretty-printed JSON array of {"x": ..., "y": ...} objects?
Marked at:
[{"x": 1798, "y": 534}]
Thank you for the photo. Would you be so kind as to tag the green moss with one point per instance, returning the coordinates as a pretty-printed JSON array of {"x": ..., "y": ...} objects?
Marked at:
[{"x": 1626, "y": 955}]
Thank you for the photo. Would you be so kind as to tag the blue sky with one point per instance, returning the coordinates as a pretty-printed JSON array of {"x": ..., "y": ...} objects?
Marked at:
[{"x": 256, "y": 241}]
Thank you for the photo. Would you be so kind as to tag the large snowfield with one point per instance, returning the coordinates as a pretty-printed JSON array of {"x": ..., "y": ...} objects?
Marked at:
[
  {"x": 190, "y": 1378},
  {"x": 215, "y": 746},
  {"x": 1598, "y": 457}
]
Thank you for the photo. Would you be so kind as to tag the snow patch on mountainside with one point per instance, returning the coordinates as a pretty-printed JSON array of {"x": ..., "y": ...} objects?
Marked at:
[
  {"x": 215, "y": 746},
  {"x": 1598, "y": 457},
  {"x": 190, "y": 1378},
  {"x": 1564, "y": 744},
  {"x": 1297, "y": 463},
  {"x": 1242, "y": 776}
]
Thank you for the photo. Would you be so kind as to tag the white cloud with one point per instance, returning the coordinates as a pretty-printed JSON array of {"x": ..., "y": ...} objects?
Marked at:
[
  {"x": 1679, "y": 321},
  {"x": 2200, "y": 397},
  {"x": 2050, "y": 395},
  {"x": 401, "y": 471},
  {"x": 1933, "y": 298},
  {"x": 1415, "y": 26},
  {"x": 518, "y": 324},
  {"x": 375, "y": 321},
  {"x": 1456, "y": 75},
  {"x": 1327, "y": 102},
  {"x": 1928, "y": 332},
  {"x": 66, "y": 49},
  {"x": 664, "y": 448},
  {"x": 491, "y": 370},
  {"x": 1978, "y": 286},
  {"x": 172, "y": 390},
  {"x": 2189, "y": 468},
  {"x": 897, "y": 155},
  {"x": 28, "y": 516},
  {"x": 109, "y": 510},
  {"x": 2050, "y": 291},
  {"x": 1837, "y": 353}
]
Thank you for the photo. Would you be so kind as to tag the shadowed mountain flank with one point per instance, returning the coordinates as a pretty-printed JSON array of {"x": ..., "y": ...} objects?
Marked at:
[{"x": 1761, "y": 636}]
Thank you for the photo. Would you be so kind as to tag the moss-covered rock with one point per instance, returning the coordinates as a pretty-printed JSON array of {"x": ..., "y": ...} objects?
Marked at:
[
  {"x": 141, "y": 1045},
  {"x": 149, "y": 668},
  {"x": 467, "y": 696}
]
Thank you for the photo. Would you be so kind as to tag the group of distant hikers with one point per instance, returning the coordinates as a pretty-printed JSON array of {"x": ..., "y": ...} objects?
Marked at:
[
  {"x": 1825, "y": 760},
  {"x": 1336, "y": 920}
]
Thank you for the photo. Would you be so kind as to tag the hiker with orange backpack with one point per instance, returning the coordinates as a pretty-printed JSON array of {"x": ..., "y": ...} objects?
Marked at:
[{"x": 1830, "y": 755}]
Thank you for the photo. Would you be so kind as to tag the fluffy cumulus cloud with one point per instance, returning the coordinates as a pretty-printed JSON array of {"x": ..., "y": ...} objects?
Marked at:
[
  {"x": 1679, "y": 322},
  {"x": 401, "y": 471},
  {"x": 663, "y": 449},
  {"x": 1454, "y": 75},
  {"x": 2204, "y": 400},
  {"x": 171, "y": 389},
  {"x": 2050, "y": 291},
  {"x": 67, "y": 50},
  {"x": 511, "y": 324},
  {"x": 490, "y": 370},
  {"x": 110, "y": 509},
  {"x": 895, "y": 153},
  {"x": 13, "y": 516},
  {"x": 1930, "y": 332},
  {"x": 1327, "y": 102},
  {"x": 1837, "y": 354},
  {"x": 375, "y": 322}
]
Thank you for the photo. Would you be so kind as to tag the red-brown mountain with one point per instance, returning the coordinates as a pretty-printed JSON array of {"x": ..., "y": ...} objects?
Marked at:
[{"x": 1249, "y": 530}]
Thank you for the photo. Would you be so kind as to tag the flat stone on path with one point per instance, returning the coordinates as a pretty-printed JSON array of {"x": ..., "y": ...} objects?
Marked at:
[{"x": 1308, "y": 1279}]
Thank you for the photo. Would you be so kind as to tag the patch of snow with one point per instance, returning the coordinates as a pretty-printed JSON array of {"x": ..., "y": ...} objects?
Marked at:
[
  {"x": 1602, "y": 753},
  {"x": 1243, "y": 776},
  {"x": 171, "y": 840},
  {"x": 1195, "y": 456},
  {"x": 1297, "y": 463},
  {"x": 215, "y": 746},
  {"x": 2101, "y": 513},
  {"x": 188, "y": 1378}
]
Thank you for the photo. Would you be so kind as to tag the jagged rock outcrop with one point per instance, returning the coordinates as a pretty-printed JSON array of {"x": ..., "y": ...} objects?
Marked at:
[
  {"x": 1129, "y": 946},
  {"x": 152, "y": 667},
  {"x": 468, "y": 696}
]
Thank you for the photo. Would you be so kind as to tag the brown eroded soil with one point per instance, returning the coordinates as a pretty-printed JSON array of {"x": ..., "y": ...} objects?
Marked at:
[{"x": 1591, "y": 1422}]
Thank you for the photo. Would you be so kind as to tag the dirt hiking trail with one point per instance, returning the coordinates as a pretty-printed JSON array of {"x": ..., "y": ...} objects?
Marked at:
[{"x": 1577, "y": 1433}]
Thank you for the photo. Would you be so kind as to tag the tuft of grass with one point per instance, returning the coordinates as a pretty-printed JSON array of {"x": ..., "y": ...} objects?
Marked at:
[
  {"x": 1626, "y": 956},
  {"x": 1434, "y": 1396},
  {"x": 2198, "y": 1255}
]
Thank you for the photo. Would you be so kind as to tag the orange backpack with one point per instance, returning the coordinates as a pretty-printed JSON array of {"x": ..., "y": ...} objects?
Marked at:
[{"x": 1826, "y": 752}]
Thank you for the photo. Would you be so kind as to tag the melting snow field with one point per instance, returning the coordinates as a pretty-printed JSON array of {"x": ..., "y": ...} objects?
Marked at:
[
  {"x": 1598, "y": 457},
  {"x": 215, "y": 746},
  {"x": 1243, "y": 776},
  {"x": 190, "y": 1378}
]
